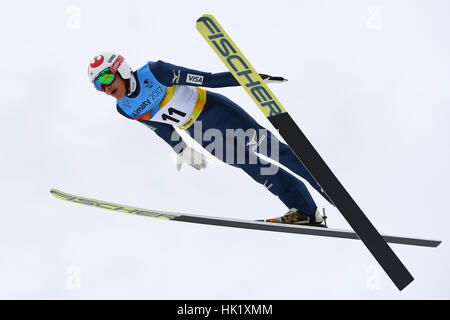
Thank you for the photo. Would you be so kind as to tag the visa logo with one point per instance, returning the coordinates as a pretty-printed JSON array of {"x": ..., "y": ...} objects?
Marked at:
[{"x": 194, "y": 79}]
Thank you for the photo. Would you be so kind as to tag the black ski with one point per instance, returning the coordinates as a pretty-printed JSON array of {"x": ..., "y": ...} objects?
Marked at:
[
  {"x": 233, "y": 223},
  {"x": 250, "y": 80}
]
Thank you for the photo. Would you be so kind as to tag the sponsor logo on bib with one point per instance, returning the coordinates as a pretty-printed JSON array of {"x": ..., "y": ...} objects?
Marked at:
[
  {"x": 141, "y": 108},
  {"x": 148, "y": 84}
]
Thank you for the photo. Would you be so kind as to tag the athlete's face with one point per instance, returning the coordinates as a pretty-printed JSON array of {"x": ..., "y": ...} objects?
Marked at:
[{"x": 116, "y": 88}]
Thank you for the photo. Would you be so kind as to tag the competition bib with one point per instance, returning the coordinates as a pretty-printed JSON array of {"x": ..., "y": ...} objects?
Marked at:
[
  {"x": 149, "y": 98},
  {"x": 176, "y": 105},
  {"x": 181, "y": 106}
]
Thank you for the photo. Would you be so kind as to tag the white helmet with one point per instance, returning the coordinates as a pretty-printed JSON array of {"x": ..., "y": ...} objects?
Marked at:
[{"x": 114, "y": 61}]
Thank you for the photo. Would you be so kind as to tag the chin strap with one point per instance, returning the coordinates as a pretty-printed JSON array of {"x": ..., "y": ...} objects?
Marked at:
[{"x": 131, "y": 84}]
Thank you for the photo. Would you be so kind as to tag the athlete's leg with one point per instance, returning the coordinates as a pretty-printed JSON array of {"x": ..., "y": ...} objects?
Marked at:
[
  {"x": 221, "y": 114},
  {"x": 282, "y": 153},
  {"x": 288, "y": 159}
]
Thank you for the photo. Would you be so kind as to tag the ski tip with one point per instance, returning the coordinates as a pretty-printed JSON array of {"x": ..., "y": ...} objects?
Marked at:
[
  {"x": 205, "y": 16},
  {"x": 59, "y": 194}
]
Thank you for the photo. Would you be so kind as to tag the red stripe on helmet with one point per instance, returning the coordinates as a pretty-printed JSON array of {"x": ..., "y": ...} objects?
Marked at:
[{"x": 116, "y": 64}]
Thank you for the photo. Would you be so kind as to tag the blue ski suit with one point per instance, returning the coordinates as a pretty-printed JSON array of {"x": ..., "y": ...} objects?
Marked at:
[{"x": 219, "y": 113}]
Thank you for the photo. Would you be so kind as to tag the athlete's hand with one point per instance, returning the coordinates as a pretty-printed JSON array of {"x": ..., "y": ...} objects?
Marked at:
[
  {"x": 193, "y": 158},
  {"x": 270, "y": 79}
]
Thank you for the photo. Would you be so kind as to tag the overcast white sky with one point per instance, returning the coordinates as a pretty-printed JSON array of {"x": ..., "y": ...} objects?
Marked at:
[{"x": 368, "y": 84}]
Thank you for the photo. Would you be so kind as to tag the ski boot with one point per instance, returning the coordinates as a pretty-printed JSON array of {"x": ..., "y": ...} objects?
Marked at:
[{"x": 294, "y": 216}]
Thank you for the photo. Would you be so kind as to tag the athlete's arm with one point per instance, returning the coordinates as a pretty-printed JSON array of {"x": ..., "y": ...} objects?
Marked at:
[{"x": 169, "y": 75}]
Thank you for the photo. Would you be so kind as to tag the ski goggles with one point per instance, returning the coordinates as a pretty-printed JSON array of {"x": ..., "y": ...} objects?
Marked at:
[{"x": 106, "y": 77}]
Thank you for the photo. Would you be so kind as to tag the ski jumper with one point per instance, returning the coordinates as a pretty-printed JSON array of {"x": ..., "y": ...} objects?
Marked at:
[{"x": 168, "y": 96}]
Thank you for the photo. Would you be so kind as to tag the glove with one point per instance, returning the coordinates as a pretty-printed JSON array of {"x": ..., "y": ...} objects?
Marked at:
[
  {"x": 193, "y": 158},
  {"x": 270, "y": 79}
]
